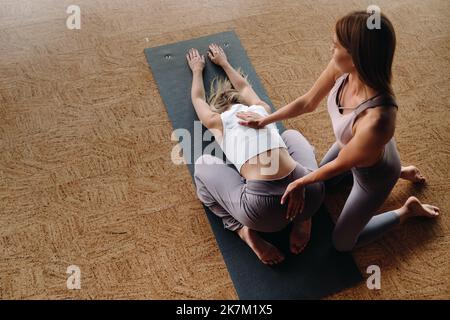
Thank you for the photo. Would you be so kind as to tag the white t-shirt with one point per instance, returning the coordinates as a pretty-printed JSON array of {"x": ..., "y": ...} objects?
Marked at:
[{"x": 240, "y": 143}]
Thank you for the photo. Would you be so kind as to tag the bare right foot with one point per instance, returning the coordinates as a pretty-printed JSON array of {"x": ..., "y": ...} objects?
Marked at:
[
  {"x": 412, "y": 173},
  {"x": 266, "y": 252},
  {"x": 414, "y": 208}
]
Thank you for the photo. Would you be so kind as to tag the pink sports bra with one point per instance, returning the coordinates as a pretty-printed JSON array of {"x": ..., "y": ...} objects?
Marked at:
[{"x": 343, "y": 123}]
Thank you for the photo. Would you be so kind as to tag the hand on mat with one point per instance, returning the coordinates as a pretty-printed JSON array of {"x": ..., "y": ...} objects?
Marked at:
[
  {"x": 295, "y": 195},
  {"x": 195, "y": 60},
  {"x": 217, "y": 55},
  {"x": 251, "y": 119}
]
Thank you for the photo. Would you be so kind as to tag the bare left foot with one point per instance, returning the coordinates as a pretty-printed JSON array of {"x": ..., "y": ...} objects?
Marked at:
[
  {"x": 411, "y": 173},
  {"x": 300, "y": 235},
  {"x": 414, "y": 208},
  {"x": 417, "y": 209}
]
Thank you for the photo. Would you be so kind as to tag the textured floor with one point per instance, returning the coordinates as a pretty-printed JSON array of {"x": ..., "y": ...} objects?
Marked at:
[{"x": 85, "y": 170}]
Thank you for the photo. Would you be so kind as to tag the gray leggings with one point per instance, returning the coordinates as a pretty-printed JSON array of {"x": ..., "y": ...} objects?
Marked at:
[
  {"x": 357, "y": 225},
  {"x": 256, "y": 203}
]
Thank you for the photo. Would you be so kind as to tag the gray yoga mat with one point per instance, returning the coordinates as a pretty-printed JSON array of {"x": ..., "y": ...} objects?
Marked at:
[{"x": 320, "y": 270}]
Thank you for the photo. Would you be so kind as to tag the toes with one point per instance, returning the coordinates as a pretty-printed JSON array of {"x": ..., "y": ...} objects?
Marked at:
[
  {"x": 436, "y": 210},
  {"x": 418, "y": 175},
  {"x": 297, "y": 249},
  {"x": 432, "y": 210},
  {"x": 278, "y": 260},
  {"x": 275, "y": 259}
]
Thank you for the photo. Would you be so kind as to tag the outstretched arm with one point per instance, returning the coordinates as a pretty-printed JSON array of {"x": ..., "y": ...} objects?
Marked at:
[
  {"x": 303, "y": 104},
  {"x": 208, "y": 118},
  {"x": 218, "y": 56}
]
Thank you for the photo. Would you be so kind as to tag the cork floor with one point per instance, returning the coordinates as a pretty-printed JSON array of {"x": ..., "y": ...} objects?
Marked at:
[{"x": 85, "y": 172}]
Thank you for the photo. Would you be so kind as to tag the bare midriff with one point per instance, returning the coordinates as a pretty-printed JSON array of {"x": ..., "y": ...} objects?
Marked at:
[{"x": 269, "y": 165}]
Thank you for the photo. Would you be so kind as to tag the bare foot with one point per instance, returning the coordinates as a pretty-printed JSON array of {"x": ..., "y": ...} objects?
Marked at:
[
  {"x": 266, "y": 252},
  {"x": 411, "y": 173},
  {"x": 300, "y": 235},
  {"x": 414, "y": 208}
]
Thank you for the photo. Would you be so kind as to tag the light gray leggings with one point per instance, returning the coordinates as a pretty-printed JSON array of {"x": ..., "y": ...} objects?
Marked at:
[
  {"x": 256, "y": 203},
  {"x": 357, "y": 225}
]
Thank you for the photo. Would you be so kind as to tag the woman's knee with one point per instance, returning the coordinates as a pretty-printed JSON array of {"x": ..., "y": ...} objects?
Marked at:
[
  {"x": 341, "y": 244},
  {"x": 291, "y": 134},
  {"x": 207, "y": 159},
  {"x": 203, "y": 161},
  {"x": 203, "y": 193},
  {"x": 200, "y": 177},
  {"x": 344, "y": 234}
]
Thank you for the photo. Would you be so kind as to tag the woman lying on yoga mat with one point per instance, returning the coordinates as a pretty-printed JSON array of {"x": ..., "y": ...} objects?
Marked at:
[
  {"x": 363, "y": 111},
  {"x": 248, "y": 200}
]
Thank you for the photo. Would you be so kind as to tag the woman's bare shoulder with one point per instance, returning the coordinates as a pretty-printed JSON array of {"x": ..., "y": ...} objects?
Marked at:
[{"x": 380, "y": 120}]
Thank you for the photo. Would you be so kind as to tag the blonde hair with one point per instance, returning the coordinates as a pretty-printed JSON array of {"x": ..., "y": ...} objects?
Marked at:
[{"x": 222, "y": 94}]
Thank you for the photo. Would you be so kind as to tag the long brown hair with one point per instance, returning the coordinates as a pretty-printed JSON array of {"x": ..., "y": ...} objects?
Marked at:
[{"x": 372, "y": 50}]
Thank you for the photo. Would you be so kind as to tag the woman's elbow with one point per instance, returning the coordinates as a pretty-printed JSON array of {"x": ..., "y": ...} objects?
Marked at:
[{"x": 309, "y": 106}]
